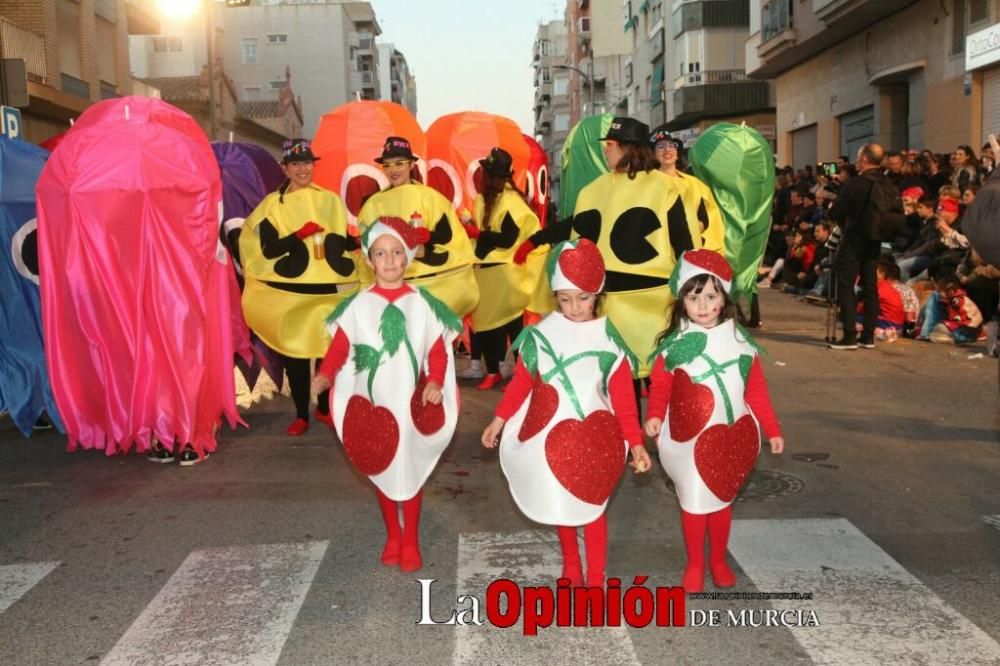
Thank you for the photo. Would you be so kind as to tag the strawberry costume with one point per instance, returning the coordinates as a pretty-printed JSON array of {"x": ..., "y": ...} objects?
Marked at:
[
  {"x": 569, "y": 411},
  {"x": 709, "y": 390},
  {"x": 398, "y": 340}
]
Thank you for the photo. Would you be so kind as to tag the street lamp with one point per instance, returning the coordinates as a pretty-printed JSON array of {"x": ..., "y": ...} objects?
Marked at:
[{"x": 589, "y": 78}]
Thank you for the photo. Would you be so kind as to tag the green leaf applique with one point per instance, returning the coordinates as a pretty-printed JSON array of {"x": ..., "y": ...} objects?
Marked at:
[
  {"x": 341, "y": 307},
  {"x": 686, "y": 349},
  {"x": 441, "y": 310},
  {"x": 392, "y": 328},
  {"x": 746, "y": 362},
  {"x": 619, "y": 341},
  {"x": 525, "y": 344},
  {"x": 366, "y": 358}
]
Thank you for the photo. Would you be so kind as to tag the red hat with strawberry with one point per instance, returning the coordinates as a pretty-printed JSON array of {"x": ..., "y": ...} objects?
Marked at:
[
  {"x": 700, "y": 262},
  {"x": 576, "y": 264},
  {"x": 409, "y": 236}
]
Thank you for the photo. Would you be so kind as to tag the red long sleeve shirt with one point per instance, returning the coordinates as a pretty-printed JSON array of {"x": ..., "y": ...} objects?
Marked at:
[
  {"x": 340, "y": 349},
  {"x": 620, "y": 392},
  {"x": 755, "y": 393}
]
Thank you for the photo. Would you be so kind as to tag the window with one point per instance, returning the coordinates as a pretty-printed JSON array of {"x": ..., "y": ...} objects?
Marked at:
[
  {"x": 249, "y": 50},
  {"x": 979, "y": 11},
  {"x": 546, "y": 75},
  {"x": 967, "y": 14},
  {"x": 167, "y": 44},
  {"x": 278, "y": 84},
  {"x": 561, "y": 122},
  {"x": 277, "y": 38},
  {"x": 561, "y": 86}
]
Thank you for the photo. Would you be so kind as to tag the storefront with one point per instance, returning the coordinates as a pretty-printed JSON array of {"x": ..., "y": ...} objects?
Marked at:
[{"x": 982, "y": 59}]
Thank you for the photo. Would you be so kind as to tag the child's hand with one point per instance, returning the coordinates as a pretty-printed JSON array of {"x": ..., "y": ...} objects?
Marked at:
[
  {"x": 491, "y": 436},
  {"x": 653, "y": 426},
  {"x": 777, "y": 445},
  {"x": 320, "y": 383},
  {"x": 432, "y": 394},
  {"x": 640, "y": 459}
]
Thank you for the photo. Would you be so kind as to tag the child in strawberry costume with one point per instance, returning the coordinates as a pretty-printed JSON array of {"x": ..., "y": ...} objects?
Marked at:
[
  {"x": 708, "y": 386},
  {"x": 395, "y": 405},
  {"x": 564, "y": 449}
]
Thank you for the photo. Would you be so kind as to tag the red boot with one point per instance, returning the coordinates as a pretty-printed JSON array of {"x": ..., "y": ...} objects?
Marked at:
[
  {"x": 595, "y": 541},
  {"x": 393, "y": 534},
  {"x": 719, "y": 524},
  {"x": 571, "y": 568},
  {"x": 324, "y": 418},
  {"x": 490, "y": 381},
  {"x": 298, "y": 427},
  {"x": 409, "y": 557},
  {"x": 694, "y": 526}
]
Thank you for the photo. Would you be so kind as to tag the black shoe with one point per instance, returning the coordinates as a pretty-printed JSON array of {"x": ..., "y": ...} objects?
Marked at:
[
  {"x": 844, "y": 344},
  {"x": 866, "y": 343},
  {"x": 160, "y": 454},
  {"x": 43, "y": 423},
  {"x": 189, "y": 457}
]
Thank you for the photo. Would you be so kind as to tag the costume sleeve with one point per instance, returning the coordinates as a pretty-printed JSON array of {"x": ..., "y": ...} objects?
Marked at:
[
  {"x": 556, "y": 232},
  {"x": 336, "y": 355},
  {"x": 271, "y": 245},
  {"x": 622, "y": 393},
  {"x": 661, "y": 383},
  {"x": 437, "y": 362},
  {"x": 759, "y": 401},
  {"x": 516, "y": 393}
]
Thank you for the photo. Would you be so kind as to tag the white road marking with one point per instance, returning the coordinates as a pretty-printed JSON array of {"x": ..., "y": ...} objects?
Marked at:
[{"x": 16, "y": 579}]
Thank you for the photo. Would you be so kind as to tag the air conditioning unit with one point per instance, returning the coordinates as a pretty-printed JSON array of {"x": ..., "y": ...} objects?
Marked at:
[{"x": 583, "y": 27}]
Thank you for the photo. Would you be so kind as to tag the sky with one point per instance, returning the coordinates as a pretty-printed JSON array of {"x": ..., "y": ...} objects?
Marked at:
[{"x": 468, "y": 55}]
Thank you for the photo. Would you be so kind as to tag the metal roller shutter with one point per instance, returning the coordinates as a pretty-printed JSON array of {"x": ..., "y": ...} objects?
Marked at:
[{"x": 991, "y": 104}]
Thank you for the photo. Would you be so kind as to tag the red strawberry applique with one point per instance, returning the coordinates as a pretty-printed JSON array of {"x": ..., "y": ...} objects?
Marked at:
[
  {"x": 690, "y": 408},
  {"x": 587, "y": 457},
  {"x": 370, "y": 437},
  {"x": 710, "y": 261},
  {"x": 583, "y": 266},
  {"x": 541, "y": 408},
  {"x": 724, "y": 456}
]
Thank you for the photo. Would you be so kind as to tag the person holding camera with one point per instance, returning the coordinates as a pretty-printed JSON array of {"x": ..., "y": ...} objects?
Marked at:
[{"x": 858, "y": 252}]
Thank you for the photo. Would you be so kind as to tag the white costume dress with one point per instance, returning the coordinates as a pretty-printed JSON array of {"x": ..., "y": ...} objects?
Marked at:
[
  {"x": 375, "y": 401},
  {"x": 563, "y": 450}
]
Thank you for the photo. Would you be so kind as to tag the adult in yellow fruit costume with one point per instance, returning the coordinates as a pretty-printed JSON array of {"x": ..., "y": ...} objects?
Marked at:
[
  {"x": 699, "y": 202},
  {"x": 443, "y": 265},
  {"x": 637, "y": 218},
  {"x": 503, "y": 220},
  {"x": 298, "y": 266}
]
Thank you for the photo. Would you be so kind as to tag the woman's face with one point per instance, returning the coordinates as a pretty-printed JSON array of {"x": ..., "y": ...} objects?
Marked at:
[
  {"x": 299, "y": 174},
  {"x": 959, "y": 157},
  {"x": 968, "y": 196},
  {"x": 613, "y": 153},
  {"x": 666, "y": 153},
  {"x": 397, "y": 171}
]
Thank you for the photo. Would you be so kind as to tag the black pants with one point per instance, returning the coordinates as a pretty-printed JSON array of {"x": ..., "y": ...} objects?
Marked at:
[
  {"x": 300, "y": 380},
  {"x": 985, "y": 293},
  {"x": 493, "y": 343},
  {"x": 857, "y": 259}
]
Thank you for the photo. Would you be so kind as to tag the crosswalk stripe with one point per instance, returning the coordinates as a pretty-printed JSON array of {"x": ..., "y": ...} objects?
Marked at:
[
  {"x": 223, "y": 606},
  {"x": 529, "y": 558},
  {"x": 871, "y": 610},
  {"x": 992, "y": 521},
  {"x": 16, "y": 579}
]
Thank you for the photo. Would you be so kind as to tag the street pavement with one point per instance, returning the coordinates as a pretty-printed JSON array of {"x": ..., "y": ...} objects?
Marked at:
[{"x": 885, "y": 508}]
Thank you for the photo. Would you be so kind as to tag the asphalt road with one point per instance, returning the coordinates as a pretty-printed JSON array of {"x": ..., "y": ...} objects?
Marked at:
[{"x": 885, "y": 508}]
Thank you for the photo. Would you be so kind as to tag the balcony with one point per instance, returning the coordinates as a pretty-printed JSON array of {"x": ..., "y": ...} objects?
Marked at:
[
  {"x": 713, "y": 100},
  {"x": 776, "y": 31},
  {"x": 711, "y": 76},
  {"x": 16, "y": 42}
]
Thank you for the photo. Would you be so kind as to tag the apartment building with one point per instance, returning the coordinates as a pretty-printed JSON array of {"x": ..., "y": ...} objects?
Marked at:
[
  {"x": 552, "y": 82},
  {"x": 596, "y": 51},
  {"x": 903, "y": 73},
  {"x": 75, "y": 52},
  {"x": 396, "y": 80}
]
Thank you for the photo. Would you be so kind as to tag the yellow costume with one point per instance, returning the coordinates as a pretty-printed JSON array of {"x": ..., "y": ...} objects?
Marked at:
[
  {"x": 505, "y": 288},
  {"x": 633, "y": 221},
  {"x": 445, "y": 269},
  {"x": 699, "y": 204},
  {"x": 287, "y": 298}
]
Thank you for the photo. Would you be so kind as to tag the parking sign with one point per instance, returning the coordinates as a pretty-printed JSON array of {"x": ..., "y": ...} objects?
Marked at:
[{"x": 10, "y": 122}]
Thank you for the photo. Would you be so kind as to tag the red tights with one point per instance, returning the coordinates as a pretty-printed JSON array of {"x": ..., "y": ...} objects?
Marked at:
[
  {"x": 717, "y": 526},
  {"x": 402, "y": 545},
  {"x": 595, "y": 541}
]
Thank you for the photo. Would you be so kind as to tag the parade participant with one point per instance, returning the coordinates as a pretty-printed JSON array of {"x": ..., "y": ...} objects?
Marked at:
[
  {"x": 296, "y": 262},
  {"x": 503, "y": 220},
  {"x": 443, "y": 265},
  {"x": 708, "y": 395},
  {"x": 568, "y": 412},
  {"x": 395, "y": 405},
  {"x": 698, "y": 198},
  {"x": 637, "y": 219}
]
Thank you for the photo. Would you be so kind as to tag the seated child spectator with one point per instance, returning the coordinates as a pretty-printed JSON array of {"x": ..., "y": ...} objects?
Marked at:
[
  {"x": 911, "y": 230},
  {"x": 949, "y": 315},
  {"x": 799, "y": 263},
  {"x": 981, "y": 282},
  {"x": 888, "y": 271}
]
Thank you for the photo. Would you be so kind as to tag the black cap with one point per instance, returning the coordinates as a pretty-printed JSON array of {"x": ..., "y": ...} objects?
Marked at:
[
  {"x": 498, "y": 163},
  {"x": 297, "y": 150},
  {"x": 396, "y": 147},
  {"x": 627, "y": 130}
]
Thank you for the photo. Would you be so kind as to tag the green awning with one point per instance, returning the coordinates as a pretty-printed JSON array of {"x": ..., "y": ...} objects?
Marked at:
[{"x": 644, "y": 6}]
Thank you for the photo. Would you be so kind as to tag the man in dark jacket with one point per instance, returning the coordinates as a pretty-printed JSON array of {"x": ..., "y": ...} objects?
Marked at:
[{"x": 858, "y": 254}]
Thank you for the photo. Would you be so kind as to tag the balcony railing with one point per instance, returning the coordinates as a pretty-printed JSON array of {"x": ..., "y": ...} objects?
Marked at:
[
  {"x": 711, "y": 76},
  {"x": 691, "y": 103},
  {"x": 775, "y": 18},
  {"x": 16, "y": 42}
]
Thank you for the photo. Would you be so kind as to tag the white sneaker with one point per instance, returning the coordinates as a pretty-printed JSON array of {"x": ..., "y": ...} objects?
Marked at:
[{"x": 473, "y": 371}]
